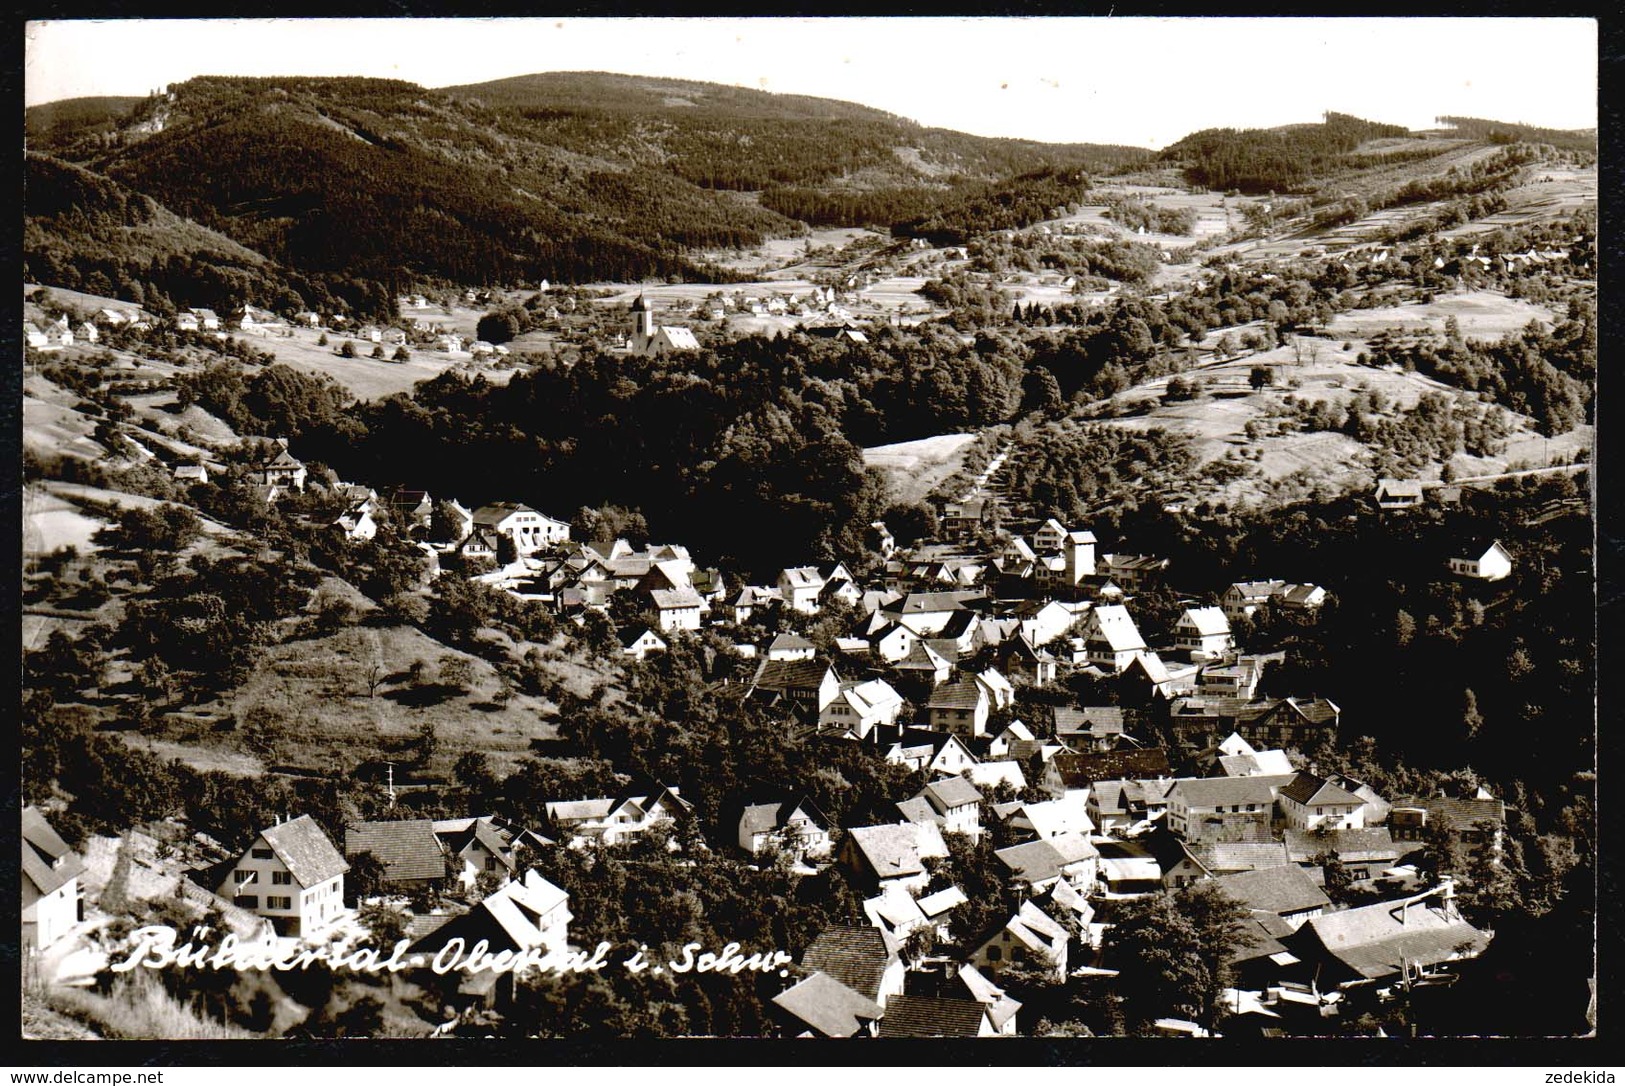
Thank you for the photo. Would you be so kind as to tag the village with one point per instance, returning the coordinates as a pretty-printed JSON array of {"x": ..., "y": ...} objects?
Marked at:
[{"x": 1187, "y": 776}]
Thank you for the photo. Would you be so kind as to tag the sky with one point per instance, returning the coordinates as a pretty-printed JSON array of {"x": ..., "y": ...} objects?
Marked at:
[{"x": 1137, "y": 81}]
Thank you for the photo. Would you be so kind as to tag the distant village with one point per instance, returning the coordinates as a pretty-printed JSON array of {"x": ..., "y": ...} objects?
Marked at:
[{"x": 927, "y": 674}]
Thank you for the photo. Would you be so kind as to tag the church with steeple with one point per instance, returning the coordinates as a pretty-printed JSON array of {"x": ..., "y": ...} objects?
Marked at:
[{"x": 649, "y": 338}]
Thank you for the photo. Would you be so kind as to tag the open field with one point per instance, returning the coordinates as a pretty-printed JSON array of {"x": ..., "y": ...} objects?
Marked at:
[
  {"x": 314, "y": 694},
  {"x": 366, "y": 378},
  {"x": 74, "y": 299},
  {"x": 52, "y": 428},
  {"x": 784, "y": 253},
  {"x": 50, "y": 522},
  {"x": 1553, "y": 193},
  {"x": 914, "y": 468},
  {"x": 1482, "y": 314}
]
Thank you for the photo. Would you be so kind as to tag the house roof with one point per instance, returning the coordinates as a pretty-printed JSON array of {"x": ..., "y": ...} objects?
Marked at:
[
  {"x": 899, "y": 849},
  {"x": 791, "y": 674},
  {"x": 1311, "y": 710},
  {"x": 1284, "y": 889},
  {"x": 789, "y": 642},
  {"x": 924, "y": 1016},
  {"x": 934, "y": 905},
  {"x": 305, "y": 851},
  {"x": 828, "y": 1006},
  {"x": 918, "y": 809},
  {"x": 1221, "y": 857},
  {"x": 803, "y": 577},
  {"x": 633, "y": 634},
  {"x": 1462, "y": 812},
  {"x": 1400, "y": 488},
  {"x": 1369, "y": 845},
  {"x": 960, "y": 695},
  {"x": 857, "y": 955},
  {"x": 767, "y": 817},
  {"x": 1082, "y": 770},
  {"x": 871, "y": 695},
  {"x": 579, "y": 810},
  {"x": 951, "y": 792},
  {"x": 1306, "y": 789},
  {"x": 1380, "y": 940},
  {"x": 1092, "y": 719},
  {"x": 669, "y": 599},
  {"x": 1227, "y": 791},
  {"x": 920, "y": 603},
  {"x": 408, "y": 849},
  {"x": 48, "y": 862},
  {"x": 923, "y": 657},
  {"x": 1112, "y": 624},
  {"x": 1039, "y": 861},
  {"x": 489, "y": 516},
  {"x": 1208, "y": 621}
]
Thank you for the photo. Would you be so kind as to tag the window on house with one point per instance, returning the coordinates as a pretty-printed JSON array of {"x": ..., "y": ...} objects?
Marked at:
[
  {"x": 1019, "y": 954},
  {"x": 240, "y": 877},
  {"x": 994, "y": 954},
  {"x": 260, "y": 853},
  {"x": 279, "y": 903},
  {"x": 248, "y": 901},
  {"x": 281, "y": 878}
]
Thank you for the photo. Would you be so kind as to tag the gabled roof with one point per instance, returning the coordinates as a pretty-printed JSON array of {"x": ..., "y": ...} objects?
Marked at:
[
  {"x": 1208, "y": 621},
  {"x": 803, "y": 577},
  {"x": 857, "y": 955},
  {"x": 951, "y": 792},
  {"x": 1112, "y": 624},
  {"x": 1381, "y": 940},
  {"x": 1082, "y": 770},
  {"x": 900, "y": 849},
  {"x": 1223, "y": 856},
  {"x": 1308, "y": 790},
  {"x": 920, "y": 603},
  {"x": 922, "y": 657},
  {"x": 1281, "y": 890},
  {"x": 934, "y": 905},
  {"x": 768, "y": 817},
  {"x": 1461, "y": 812},
  {"x": 47, "y": 860},
  {"x": 489, "y": 516},
  {"x": 669, "y": 599},
  {"x": 829, "y": 1007},
  {"x": 791, "y": 674},
  {"x": 923, "y": 1016},
  {"x": 1039, "y": 861},
  {"x": 633, "y": 634},
  {"x": 960, "y": 695},
  {"x": 1095, "y": 720},
  {"x": 408, "y": 849},
  {"x": 305, "y": 851},
  {"x": 917, "y": 809},
  {"x": 1400, "y": 488},
  {"x": 789, "y": 642},
  {"x": 1373, "y": 844},
  {"x": 1227, "y": 791}
]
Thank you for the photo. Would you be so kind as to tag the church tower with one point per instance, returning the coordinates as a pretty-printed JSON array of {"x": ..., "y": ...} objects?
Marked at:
[{"x": 643, "y": 325}]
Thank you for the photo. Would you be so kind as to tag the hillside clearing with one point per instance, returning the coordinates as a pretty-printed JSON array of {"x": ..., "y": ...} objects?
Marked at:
[{"x": 914, "y": 468}]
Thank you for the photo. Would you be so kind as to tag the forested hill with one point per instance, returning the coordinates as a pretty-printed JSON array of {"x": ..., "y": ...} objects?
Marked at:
[
  {"x": 736, "y": 138},
  {"x": 569, "y": 177},
  {"x": 1258, "y": 160}
]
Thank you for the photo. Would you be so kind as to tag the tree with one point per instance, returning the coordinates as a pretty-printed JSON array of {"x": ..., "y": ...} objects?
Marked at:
[
  {"x": 1174, "y": 951},
  {"x": 365, "y": 878},
  {"x": 473, "y": 771},
  {"x": 1260, "y": 377},
  {"x": 378, "y": 351},
  {"x": 347, "y": 349},
  {"x": 1471, "y": 720},
  {"x": 321, "y": 340},
  {"x": 455, "y": 671},
  {"x": 445, "y": 523},
  {"x": 402, "y": 354}
]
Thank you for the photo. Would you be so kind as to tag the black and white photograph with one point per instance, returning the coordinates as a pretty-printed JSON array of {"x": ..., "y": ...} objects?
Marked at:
[{"x": 632, "y": 529}]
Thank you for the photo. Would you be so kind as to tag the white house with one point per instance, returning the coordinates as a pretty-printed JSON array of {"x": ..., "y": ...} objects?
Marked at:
[
  {"x": 649, "y": 339},
  {"x": 1029, "y": 939},
  {"x": 961, "y": 708},
  {"x": 953, "y": 803},
  {"x": 1308, "y": 802},
  {"x": 1492, "y": 564},
  {"x": 293, "y": 876},
  {"x": 1203, "y": 632},
  {"x": 529, "y": 530},
  {"x": 1111, "y": 639},
  {"x": 52, "y": 902},
  {"x": 678, "y": 608},
  {"x": 639, "y": 641},
  {"x": 800, "y": 587},
  {"x": 795, "y": 826},
  {"x": 523, "y": 915},
  {"x": 862, "y": 706}
]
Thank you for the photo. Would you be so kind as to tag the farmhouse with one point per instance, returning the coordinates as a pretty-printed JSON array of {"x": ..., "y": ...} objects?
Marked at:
[
  {"x": 293, "y": 876},
  {"x": 1484, "y": 563},
  {"x": 53, "y": 900},
  {"x": 1203, "y": 632},
  {"x": 529, "y": 530},
  {"x": 1398, "y": 494},
  {"x": 793, "y": 826}
]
